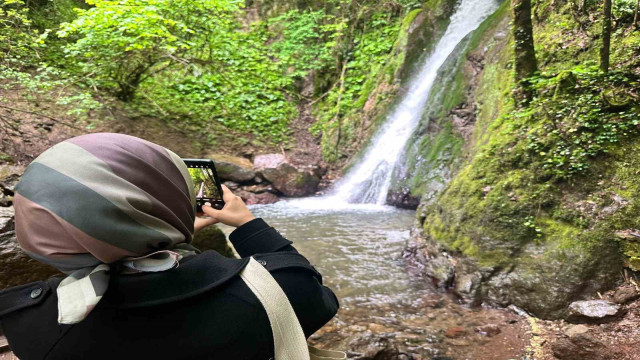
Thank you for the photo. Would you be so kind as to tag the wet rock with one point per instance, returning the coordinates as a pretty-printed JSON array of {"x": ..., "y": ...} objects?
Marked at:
[
  {"x": 212, "y": 238},
  {"x": 427, "y": 259},
  {"x": 581, "y": 347},
  {"x": 233, "y": 168},
  {"x": 593, "y": 309},
  {"x": 262, "y": 198},
  {"x": 258, "y": 188},
  {"x": 290, "y": 181},
  {"x": 268, "y": 161},
  {"x": 489, "y": 330},
  {"x": 403, "y": 199},
  {"x": 625, "y": 294},
  {"x": 375, "y": 347}
]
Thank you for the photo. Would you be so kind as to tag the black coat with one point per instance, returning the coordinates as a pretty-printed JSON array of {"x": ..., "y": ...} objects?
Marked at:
[{"x": 200, "y": 310}]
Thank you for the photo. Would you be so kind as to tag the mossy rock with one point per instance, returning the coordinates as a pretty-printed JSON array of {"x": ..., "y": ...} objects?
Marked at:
[
  {"x": 233, "y": 168},
  {"x": 212, "y": 238}
]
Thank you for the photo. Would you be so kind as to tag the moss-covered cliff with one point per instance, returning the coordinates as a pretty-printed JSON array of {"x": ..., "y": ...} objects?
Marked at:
[
  {"x": 543, "y": 202},
  {"x": 383, "y": 57}
]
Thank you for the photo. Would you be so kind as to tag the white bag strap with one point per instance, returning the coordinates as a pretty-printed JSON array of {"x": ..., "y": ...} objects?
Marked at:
[{"x": 288, "y": 338}]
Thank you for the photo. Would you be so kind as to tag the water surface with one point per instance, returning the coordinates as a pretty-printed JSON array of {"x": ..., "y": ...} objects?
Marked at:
[{"x": 357, "y": 248}]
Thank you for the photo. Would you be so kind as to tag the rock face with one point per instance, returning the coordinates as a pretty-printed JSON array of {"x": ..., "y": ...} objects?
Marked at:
[
  {"x": 233, "y": 168},
  {"x": 291, "y": 181},
  {"x": 593, "y": 309},
  {"x": 531, "y": 242}
]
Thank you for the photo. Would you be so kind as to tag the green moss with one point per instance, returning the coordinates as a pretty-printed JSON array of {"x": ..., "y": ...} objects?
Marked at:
[
  {"x": 5, "y": 158},
  {"x": 501, "y": 201}
]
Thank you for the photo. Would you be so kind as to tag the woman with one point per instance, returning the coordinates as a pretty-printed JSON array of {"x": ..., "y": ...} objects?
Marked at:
[{"x": 116, "y": 214}]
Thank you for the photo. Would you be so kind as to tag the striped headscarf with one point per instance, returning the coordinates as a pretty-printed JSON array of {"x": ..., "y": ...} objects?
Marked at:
[{"x": 101, "y": 199}]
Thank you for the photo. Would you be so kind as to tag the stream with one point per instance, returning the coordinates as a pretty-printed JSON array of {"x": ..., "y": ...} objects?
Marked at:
[
  {"x": 386, "y": 313},
  {"x": 357, "y": 243}
]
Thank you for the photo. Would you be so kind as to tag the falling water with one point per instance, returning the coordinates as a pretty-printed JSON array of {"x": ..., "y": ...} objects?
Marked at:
[{"x": 369, "y": 181}]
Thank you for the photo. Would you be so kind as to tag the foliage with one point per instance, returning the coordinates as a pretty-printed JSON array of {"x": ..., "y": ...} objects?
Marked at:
[
  {"x": 16, "y": 32},
  {"x": 23, "y": 61},
  {"x": 304, "y": 42},
  {"x": 583, "y": 118},
  {"x": 372, "y": 49},
  {"x": 122, "y": 43},
  {"x": 624, "y": 10}
]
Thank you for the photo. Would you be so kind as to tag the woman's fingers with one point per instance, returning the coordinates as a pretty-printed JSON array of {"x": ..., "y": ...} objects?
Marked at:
[
  {"x": 210, "y": 211},
  {"x": 201, "y": 223},
  {"x": 227, "y": 195}
]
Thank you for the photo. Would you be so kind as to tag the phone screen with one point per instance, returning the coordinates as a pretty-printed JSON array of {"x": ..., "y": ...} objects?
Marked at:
[{"x": 204, "y": 183}]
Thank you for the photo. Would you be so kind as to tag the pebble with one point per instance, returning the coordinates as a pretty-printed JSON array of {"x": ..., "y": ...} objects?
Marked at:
[
  {"x": 576, "y": 329},
  {"x": 489, "y": 330},
  {"x": 454, "y": 332}
]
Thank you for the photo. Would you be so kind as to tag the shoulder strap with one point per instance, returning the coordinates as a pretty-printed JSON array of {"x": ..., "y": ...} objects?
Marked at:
[{"x": 288, "y": 337}]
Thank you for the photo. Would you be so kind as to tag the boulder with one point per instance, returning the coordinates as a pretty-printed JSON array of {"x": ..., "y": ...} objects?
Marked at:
[
  {"x": 212, "y": 238},
  {"x": 402, "y": 198},
  {"x": 593, "y": 309},
  {"x": 268, "y": 161},
  {"x": 233, "y": 168},
  {"x": 291, "y": 181}
]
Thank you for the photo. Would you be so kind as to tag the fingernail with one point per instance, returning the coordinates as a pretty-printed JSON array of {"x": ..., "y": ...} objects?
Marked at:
[{"x": 208, "y": 203}]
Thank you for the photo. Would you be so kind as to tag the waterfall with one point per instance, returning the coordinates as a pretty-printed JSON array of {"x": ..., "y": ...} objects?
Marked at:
[{"x": 368, "y": 182}]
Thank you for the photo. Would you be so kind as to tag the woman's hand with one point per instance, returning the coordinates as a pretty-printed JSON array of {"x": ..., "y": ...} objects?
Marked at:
[
  {"x": 201, "y": 223},
  {"x": 234, "y": 213}
]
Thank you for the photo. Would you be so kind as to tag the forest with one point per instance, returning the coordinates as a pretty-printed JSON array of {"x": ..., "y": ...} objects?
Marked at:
[{"x": 463, "y": 172}]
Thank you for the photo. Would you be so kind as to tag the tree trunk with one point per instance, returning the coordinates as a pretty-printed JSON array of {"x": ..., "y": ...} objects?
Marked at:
[
  {"x": 606, "y": 37},
  {"x": 525, "y": 55},
  {"x": 635, "y": 16}
]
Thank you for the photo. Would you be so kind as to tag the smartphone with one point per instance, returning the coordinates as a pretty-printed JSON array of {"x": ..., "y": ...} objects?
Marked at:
[{"x": 205, "y": 182}]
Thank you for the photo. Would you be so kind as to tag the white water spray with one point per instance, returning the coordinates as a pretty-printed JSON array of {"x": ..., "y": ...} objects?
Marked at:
[{"x": 369, "y": 181}]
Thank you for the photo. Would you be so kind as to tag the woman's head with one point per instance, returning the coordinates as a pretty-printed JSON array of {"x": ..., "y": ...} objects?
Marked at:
[{"x": 102, "y": 197}]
